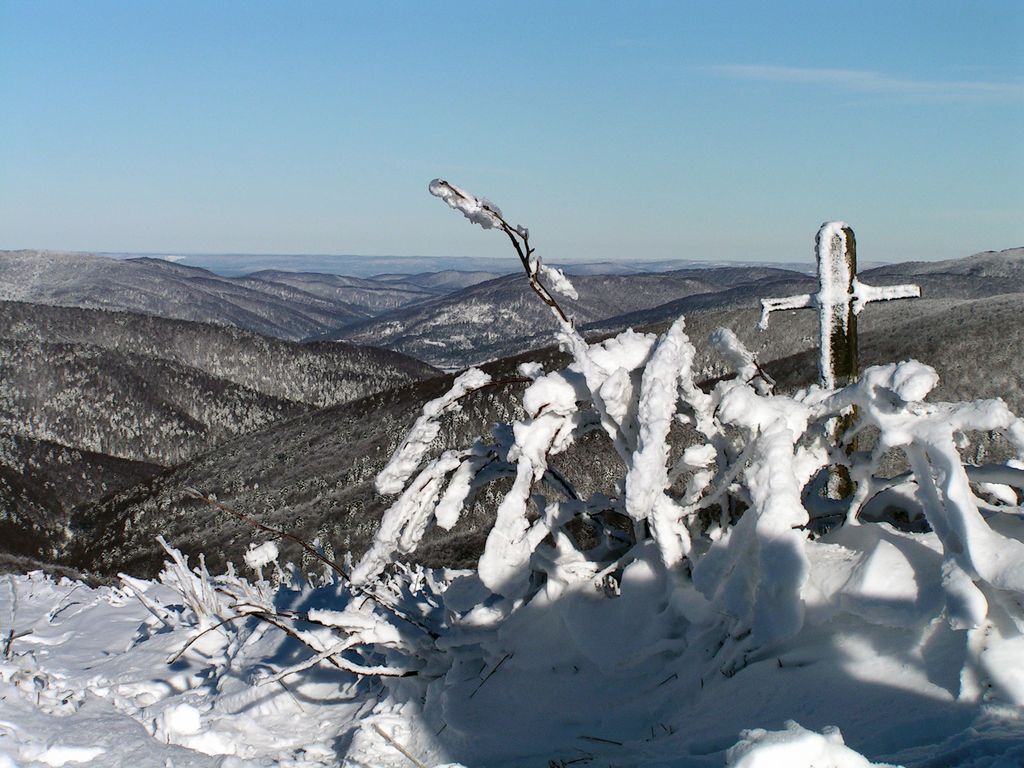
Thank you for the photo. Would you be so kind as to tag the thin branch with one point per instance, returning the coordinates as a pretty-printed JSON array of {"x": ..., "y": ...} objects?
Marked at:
[
  {"x": 599, "y": 740},
  {"x": 524, "y": 251},
  {"x": 196, "y": 637},
  {"x": 490, "y": 674},
  {"x": 194, "y": 493},
  {"x": 398, "y": 746}
]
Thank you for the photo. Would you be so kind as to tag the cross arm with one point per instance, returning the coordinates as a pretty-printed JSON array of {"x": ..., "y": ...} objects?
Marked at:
[
  {"x": 864, "y": 293},
  {"x": 802, "y": 301}
]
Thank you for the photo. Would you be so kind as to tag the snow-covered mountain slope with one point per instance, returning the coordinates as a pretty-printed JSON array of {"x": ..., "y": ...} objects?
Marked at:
[
  {"x": 448, "y": 280},
  {"x": 282, "y": 304},
  {"x": 92, "y": 401},
  {"x": 314, "y": 374},
  {"x": 980, "y": 275},
  {"x": 41, "y": 481},
  {"x": 983, "y": 274},
  {"x": 165, "y": 289},
  {"x": 313, "y": 475},
  {"x": 502, "y": 317},
  {"x": 144, "y": 403},
  {"x": 369, "y": 295}
]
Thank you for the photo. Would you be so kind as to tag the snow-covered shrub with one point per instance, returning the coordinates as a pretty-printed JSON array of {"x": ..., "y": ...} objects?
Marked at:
[
  {"x": 755, "y": 451},
  {"x": 712, "y": 554}
]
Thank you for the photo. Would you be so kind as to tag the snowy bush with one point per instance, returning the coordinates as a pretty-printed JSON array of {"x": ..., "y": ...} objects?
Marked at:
[{"x": 715, "y": 552}]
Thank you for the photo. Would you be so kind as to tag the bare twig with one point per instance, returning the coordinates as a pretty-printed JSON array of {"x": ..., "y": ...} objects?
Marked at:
[
  {"x": 61, "y": 607},
  {"x": 9, "y": 643},
  {"x": 601, "y": 741},
  {"x": 490, "y": 674},
  {"x": 196, "y": 494},
  {"x": 398, "y": 746},
  {"x": 196, "y": 637},
  {"x": 763, "y": 375}
]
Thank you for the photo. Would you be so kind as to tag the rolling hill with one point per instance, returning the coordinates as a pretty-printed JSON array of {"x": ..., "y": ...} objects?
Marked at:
[
  {"x": 313, "y": 475},
  {"x": 288, "y": 305},
  {"x": 502, "y": 317},
  {"x": 93, "y": 401}
]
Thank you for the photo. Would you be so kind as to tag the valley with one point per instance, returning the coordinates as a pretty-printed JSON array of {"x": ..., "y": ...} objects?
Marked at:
[{"x": 108, "y": 418}]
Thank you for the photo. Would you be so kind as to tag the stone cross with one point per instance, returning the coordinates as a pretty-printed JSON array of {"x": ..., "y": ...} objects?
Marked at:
[{"x": 840, "y": 298}]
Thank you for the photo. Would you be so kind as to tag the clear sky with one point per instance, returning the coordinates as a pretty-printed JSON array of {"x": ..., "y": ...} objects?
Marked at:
[{"x": 649, "y": 130}]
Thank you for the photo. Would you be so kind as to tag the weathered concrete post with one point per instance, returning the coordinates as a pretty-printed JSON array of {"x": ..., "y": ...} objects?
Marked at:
[{"x": 840, "y": 298}]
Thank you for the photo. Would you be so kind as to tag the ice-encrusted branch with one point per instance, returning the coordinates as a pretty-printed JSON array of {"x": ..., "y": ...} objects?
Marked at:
[
  {"x": 742, "y": 360},
  {"x": 405, "y": 522},
  {"x": 478, "y": 210},
  {"x": 407, "y": 458},
  {"x": 647, "y": 479},
  {"x": 485, "y": 213},
  {"x": 560, "y": 284}
]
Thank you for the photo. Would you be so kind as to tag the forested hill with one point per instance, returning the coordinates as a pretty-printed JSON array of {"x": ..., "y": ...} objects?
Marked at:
[
  {"x": 316, "y": 374},
  {"x": 287, "y": 305},
  {"x": 313, "y": 475},
  {"x": 502, "y": 317},
  {"x": 101, "y": 400}
]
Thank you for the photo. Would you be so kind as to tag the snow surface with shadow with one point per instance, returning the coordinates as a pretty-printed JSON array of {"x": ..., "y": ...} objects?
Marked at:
[{"x": 584, "y": 677}]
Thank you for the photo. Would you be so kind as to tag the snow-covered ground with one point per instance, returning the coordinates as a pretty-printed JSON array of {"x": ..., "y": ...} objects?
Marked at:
[
  {"x": 94, "y": 677},
  {"x": 718, "y": 606}
]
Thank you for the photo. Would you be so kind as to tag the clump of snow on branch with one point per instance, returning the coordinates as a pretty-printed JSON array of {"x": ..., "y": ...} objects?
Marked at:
[
  {"x": 258, "y": 556},
  {"x": 555, "y": 278},
  {"x": 478, "y": 210},
  {"x": 407, "y": 458}
]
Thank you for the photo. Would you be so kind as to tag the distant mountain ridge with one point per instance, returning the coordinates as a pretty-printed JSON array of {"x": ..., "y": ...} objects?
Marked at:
[
  {"x": 314, "y": 374},
  {"x": 502, "y": 317},
  {"x": 282, "y": 304},
  {"x": 165, "y": 289},
  {"x": 989, "y": 273},
  {"x": 236, "y": 264}
]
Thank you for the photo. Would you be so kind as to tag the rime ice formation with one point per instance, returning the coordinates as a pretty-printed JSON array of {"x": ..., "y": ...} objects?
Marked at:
[
  {"x": 840, "y": 297},
  {"x": 705, "y": 606}
]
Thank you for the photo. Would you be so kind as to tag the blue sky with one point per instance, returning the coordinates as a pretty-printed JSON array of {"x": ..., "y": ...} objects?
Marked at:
[{"x": 659, "y": 130}]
